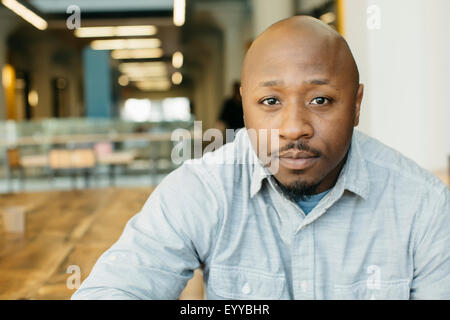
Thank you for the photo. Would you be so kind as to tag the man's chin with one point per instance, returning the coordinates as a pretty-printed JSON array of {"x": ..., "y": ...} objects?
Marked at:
[{"x": 298, "y": 189}]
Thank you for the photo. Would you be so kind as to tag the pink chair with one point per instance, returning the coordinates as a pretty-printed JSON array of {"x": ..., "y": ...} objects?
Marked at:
[{"x": 102, "y": 148}]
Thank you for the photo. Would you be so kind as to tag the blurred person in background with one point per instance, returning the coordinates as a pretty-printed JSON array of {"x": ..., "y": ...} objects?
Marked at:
[{"x": 232, "y": 114}]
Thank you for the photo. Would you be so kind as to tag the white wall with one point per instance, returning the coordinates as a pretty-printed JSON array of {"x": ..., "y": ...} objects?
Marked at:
[
  {"x": 267, "y": 12},
  {"x": 405, "y": 65}
]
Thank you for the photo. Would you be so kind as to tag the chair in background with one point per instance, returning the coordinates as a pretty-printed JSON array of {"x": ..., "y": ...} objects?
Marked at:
[
  {"x": 38, "y": 161},
  {"x": 102, "y": 148},
  {"x": 73, "y": 162},
  {"x": 106, "y": 156},
  {"x": 160, "y": 157},
  {"x": 13, "y": 164},
  {"x": 59, "y": 160}
]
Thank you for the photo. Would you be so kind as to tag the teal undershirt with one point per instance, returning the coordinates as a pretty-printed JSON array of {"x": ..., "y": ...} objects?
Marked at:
[{"x": 309, "y": 202}]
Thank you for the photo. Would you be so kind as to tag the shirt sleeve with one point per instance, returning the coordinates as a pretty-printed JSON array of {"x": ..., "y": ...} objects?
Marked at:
[
  {"x": 432, "y": 255},
  {"x": 161, "y": 246}
]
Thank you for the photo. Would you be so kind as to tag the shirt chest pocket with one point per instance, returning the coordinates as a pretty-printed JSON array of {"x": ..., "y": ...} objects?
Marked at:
[
  {"x": 384, "y": 290},
  {"x": 243, "y": 283}
]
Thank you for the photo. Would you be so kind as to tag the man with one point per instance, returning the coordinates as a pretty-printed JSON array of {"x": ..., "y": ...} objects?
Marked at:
[{"x": 341, "y": 217}]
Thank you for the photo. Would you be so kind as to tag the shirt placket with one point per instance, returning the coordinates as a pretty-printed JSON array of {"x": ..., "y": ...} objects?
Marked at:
[
  {"x": 302, "y": 243},
  {"x": 302, "y": 247},
  {"x": 303, "y": 263}
]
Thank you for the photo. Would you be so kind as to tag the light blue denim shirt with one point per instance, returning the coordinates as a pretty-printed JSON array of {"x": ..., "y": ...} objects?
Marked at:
[{"x": 382, "y": 232}]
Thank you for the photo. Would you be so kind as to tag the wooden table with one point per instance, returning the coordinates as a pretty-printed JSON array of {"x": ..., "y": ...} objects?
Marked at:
[{"x": 66, "y": 228}]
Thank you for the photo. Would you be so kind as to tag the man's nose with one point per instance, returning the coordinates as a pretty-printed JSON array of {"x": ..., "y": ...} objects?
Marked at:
[{"x": 295, "y": 123}]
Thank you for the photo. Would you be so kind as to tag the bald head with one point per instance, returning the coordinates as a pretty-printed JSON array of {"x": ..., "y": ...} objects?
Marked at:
[
  {"x": 311, "y": 38},
  {"x": 299, "y": 78}
]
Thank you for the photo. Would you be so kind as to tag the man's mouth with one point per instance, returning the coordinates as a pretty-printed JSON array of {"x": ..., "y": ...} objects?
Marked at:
[{"x": 298, "y": 160}]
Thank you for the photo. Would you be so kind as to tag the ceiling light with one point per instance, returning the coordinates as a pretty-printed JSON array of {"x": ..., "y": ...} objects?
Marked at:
[
  {"x": 146, "y": 73},
  {"x": 137, "y": 53},
  {"x": 143, "y": 77},
  {"x": 179, "y": 11},
  {"x": 118, "y": 31},
  {"x": 26, "y": 14},
  {"x": 153, "y": 85},
  {"x": 143, "y": 69},
  {"x": 177, "y": 77},
  {"x": 177, "y": 60},
  {"x": 148, "y": 78},
  {"x": 125, "y": 44},
  {"x": 137, "y": 75},
  {"x": 142, "y": 66}
]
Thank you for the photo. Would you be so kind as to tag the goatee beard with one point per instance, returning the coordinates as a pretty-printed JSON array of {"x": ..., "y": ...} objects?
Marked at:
[{"x": 299, "y": 190}]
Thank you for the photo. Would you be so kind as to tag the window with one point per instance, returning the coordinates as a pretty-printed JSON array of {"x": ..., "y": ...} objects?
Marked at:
[{"x": 168, "y": 109}]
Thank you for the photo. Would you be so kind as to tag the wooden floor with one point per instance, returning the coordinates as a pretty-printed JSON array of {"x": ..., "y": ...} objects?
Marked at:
[{"x": 66, "y": 228}]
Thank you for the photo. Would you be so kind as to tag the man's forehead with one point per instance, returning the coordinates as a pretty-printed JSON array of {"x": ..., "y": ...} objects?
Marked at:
[
  {"x": 292, "y": 56},
  {"x": 295, "y": 67},
  {"x": 311, "y": 62}
]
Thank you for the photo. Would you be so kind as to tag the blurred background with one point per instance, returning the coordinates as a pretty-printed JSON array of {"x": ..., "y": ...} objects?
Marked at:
[{"x": 92, "y": 90}]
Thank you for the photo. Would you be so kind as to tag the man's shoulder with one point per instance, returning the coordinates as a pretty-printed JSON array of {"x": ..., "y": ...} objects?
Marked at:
[{"x": 381, "y": 158}]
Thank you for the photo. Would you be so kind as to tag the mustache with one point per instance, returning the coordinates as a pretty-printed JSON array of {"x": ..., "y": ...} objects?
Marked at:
[{"x": 297, "y": 146}]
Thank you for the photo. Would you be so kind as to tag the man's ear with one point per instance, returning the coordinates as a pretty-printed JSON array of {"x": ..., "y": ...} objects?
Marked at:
[
  {"x": 243, "y": 109},
  {"x": 359, "y": 96}
]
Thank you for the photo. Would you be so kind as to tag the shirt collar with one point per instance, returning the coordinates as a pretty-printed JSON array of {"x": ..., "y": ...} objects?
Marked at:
[
  {"x": 258, "y": 171},
  {"x": 354, "y": 176}
]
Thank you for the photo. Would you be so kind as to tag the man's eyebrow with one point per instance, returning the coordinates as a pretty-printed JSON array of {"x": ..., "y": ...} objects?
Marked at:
[
  {"x": 321, "y": 82},
  {"x": 318, "y": 81},
  {"x": 270, "y": 83},
  {"x": 273, "y": 83}
]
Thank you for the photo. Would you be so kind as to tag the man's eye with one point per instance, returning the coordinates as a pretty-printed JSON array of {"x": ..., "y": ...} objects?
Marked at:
[
  {"x": 270, "y": 101},
  {"x": 320, "y": 100}
]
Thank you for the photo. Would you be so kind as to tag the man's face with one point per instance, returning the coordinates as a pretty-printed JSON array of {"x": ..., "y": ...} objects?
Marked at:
[{"x": 307, "y": 92}]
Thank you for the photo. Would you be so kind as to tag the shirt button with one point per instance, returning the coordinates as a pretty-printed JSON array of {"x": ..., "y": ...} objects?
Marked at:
[
  {"x": 112, "y": 258},
  {"x": 246, "y": 288}
]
